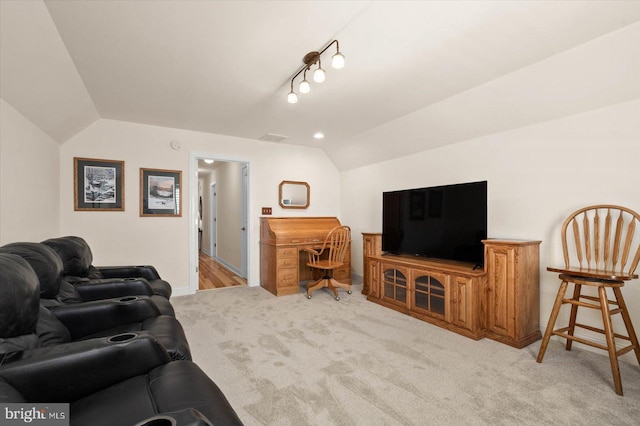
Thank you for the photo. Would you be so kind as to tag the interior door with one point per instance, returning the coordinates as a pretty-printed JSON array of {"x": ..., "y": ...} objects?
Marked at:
[
  {"x": 213, "y": 224},
  {"x": 244, "y": 221}
]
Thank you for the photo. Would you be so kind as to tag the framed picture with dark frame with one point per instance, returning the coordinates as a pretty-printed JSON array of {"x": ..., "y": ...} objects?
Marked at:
[
  {"x": 98, "y": 184},
  {"x": 160, "y": 192}
]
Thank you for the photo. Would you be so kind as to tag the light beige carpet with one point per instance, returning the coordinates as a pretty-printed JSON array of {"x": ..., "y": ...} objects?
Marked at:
[{"x": 293, "y": 361}]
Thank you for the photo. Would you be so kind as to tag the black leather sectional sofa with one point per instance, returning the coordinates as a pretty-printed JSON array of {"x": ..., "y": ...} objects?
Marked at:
[{"x": 106, "y": 343}]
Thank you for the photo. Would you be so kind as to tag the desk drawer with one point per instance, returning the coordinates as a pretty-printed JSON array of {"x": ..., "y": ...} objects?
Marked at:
[
  {"x": 287, "y": 261},
  {"x": 287, "y": 252},
  {"x": 288, "y": 277},
  {"x": 342, "y": 272}
]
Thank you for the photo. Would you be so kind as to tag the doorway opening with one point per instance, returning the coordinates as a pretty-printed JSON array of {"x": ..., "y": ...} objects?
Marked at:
[{"x": 219, "y": 257}]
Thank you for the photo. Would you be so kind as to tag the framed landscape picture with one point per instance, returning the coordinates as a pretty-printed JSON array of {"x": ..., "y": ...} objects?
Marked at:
[
  {"x": 160, "y": 192},
  {"x": 98, "y": 184}
]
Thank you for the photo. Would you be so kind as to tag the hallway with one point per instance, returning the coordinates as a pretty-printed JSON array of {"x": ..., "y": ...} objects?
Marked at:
[{"x": 213, "y": 275}]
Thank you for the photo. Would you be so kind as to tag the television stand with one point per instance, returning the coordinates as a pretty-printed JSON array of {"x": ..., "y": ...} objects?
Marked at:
[{"x": 499, "y": 301}]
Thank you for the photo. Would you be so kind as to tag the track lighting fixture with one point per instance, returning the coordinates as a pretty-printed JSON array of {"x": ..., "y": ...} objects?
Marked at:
[{"x": 310, "y": 59}]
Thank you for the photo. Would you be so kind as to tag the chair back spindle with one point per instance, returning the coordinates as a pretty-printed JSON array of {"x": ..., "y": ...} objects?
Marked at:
[
  {"x": 604, "y": 238},
  {"x": 336, "y": 243}
]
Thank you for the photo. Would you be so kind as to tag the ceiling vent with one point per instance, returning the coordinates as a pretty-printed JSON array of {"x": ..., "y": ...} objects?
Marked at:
[{"x": 272, "y": 137}]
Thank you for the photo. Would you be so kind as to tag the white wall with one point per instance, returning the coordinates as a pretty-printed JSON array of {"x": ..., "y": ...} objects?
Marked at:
[
  {"x": 124, "y": 237},
  {"x": 29, "y": 182},
  {"x": 536, "y": 175}
]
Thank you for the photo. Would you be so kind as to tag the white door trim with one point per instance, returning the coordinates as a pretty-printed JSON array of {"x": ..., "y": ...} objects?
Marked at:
[{"x": 193, "y": 212}]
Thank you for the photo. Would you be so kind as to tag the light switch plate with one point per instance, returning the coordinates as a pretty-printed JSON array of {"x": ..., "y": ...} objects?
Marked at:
[{"x": 266, "y": 211}]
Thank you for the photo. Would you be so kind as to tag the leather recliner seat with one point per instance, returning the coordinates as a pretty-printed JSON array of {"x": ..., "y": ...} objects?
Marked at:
[
  {"x": 77, "y": 259},
  {"x": 120, "y": 380},
  {"x": 78, "y": 270},
  {"x": 61, "y": 322},
  {"x": 96, "y": 289}
]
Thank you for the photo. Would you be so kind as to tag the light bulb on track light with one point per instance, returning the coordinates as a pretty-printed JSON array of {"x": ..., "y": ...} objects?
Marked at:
[
  {"x": 304, "y": 87},
  {"x": 318, "y": 75},
  {"x": 337, "y": 61}
]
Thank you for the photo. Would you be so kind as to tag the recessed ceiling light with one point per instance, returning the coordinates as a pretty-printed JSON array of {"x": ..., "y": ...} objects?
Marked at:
[
  {"x": 318, "y": 135},
  {"x": 208, "y": 161}
]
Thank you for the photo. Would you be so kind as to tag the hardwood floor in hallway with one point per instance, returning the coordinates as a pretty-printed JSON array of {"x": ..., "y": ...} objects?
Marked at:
[{"x": 214, "y": 275}]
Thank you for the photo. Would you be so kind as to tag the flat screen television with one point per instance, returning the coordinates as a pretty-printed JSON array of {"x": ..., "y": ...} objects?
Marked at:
[{"x": 443, "y": 222}]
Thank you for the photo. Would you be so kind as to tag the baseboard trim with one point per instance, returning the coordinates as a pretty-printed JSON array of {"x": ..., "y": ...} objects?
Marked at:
[
  {"x": 181, "y": 291},
  {"x": 228, "y": 266}
]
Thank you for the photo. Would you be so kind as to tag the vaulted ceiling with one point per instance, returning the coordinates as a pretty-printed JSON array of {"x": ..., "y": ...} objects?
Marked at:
[{"x": 418, "y": 75}]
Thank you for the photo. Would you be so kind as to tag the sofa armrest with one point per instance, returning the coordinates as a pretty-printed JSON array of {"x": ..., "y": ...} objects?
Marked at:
[
  {"x": 87, "y": 318},
  {"x": 145, "y": 271},
  {"x": 99, "y": 289},
  {"x": 68, "y": 372}
]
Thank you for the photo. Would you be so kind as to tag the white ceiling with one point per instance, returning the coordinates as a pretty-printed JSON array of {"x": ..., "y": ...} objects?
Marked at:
[{"x": 418, "y": 74}]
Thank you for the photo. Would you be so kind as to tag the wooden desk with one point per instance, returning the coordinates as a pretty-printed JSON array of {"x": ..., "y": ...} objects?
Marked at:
[{"x": 282, "y": 259}]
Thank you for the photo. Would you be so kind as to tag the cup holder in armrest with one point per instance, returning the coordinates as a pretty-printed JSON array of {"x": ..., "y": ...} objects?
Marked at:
[
  {"x": 124, "y": 337},
  {"x": 158, "y": 421},
  {"x": 128, "y": 299},
  {"x": 186, "y": 417}
]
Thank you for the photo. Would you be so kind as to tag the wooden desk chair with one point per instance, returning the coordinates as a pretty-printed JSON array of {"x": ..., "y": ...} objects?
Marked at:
[
  {"x": 330, "y": 257},
  {"x": 599, "y": 251}
]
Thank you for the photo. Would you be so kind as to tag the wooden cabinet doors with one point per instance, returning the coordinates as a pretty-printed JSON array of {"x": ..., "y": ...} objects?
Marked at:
[
  {"x": 395, "y": 280},
  {"x": 429, "y": 293},
  {"x": 513, "y": 293},
  {"x": 501, "y": 301},
  {"x": 372, "y": 273},
  {"x": 465, "y": 302}
]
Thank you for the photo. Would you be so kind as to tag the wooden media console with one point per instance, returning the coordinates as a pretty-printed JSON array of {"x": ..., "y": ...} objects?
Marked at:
[{"x": 500, "y": 302}]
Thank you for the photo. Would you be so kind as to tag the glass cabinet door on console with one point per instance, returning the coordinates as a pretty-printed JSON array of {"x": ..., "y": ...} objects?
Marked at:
[
  {"x": 394, "y": 284},
  {"x": 429, "y": 290}
]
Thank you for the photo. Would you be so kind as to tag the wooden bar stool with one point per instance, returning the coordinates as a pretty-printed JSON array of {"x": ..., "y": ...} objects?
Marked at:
[{"x": 603, "y": 253}]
